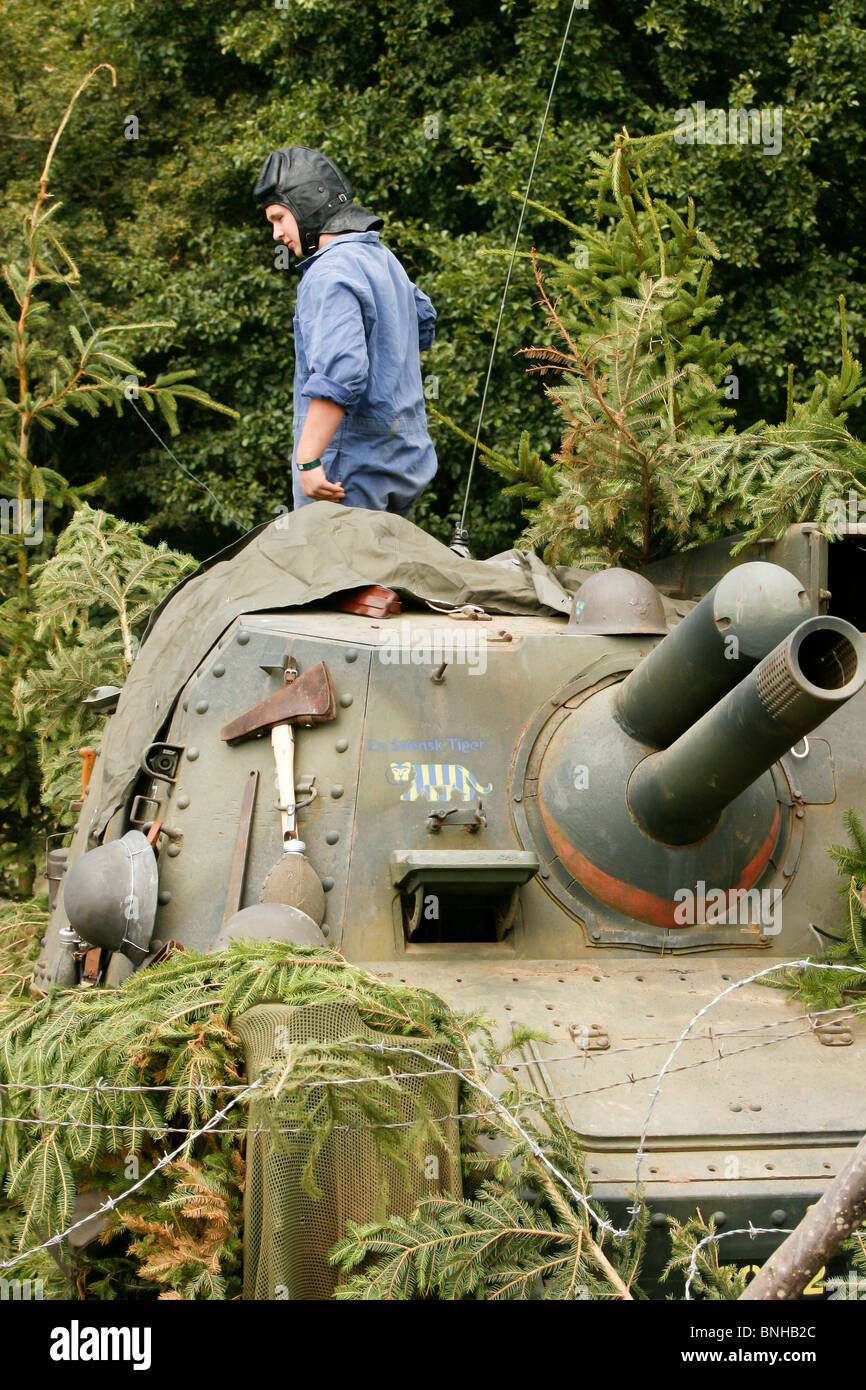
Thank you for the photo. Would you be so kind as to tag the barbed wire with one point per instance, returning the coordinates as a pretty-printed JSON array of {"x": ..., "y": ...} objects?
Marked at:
[
  {"x": 581, "y": 1053},
  {"x": 749, "y": 1230},
  {"x": 801, "y": 964},
  {"x": 498, "y": 1107},
  {"x": 42, "y": 1121},
  {"x": 111, "y": 1202}
]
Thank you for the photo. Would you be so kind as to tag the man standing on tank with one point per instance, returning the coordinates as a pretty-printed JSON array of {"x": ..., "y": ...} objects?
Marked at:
[{"x": 359, "y": 425}]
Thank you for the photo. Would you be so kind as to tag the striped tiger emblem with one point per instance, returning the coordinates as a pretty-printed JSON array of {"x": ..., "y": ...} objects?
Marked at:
[{"x": 434, "y": 781}]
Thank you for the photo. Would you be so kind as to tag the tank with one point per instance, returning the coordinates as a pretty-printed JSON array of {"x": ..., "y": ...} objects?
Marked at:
[{"x": 438, "y": 770}]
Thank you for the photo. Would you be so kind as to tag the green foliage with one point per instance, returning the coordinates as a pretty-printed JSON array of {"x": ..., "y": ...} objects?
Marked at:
[
  {"x": 648, "y": 461},
  {"x": 712, "y": 1281},
  {"x": 169, "y": 1028},
  {"x": 163, "y": 225},
  {"x": 92, "y": 600},
  {"x": 854, "y": 1251},
  {"x": 833, "y": 989},
  {"x": 21, "y": 926},
  {"x": 46, "y": 385},
  {"x": 638, "y": 374},
  {"x": 522, "y": 1236},
  {"x": 840, "y": 987}
]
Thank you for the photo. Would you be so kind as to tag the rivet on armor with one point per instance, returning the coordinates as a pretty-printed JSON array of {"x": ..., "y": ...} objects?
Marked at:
[
  {"x": 337, "y": 791},
  {"x": 346, "y": 700},
  {"x": 352, "y": 656},
  {"x": 173, "y": 851},
  {"x": 185, "y": 705},
  {"x": 327, "y": 884},
  {"x": 719, "y": 1218},
  {"x": 332, "y": 837},
  {"x": 191, "y": 755},
  {"x": 219, "y": 670},
  {"x": 243, "y": 638},
  {"x": 779, "y": 1216},
  {"x": 163, "y": 896},
  {"x": 182, "y": 801},
  {"x": 202, "y": 707},
  {"x": 341, "y": 745}
]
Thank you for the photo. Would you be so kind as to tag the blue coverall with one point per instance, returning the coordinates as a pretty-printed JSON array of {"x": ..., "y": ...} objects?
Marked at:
[{"x": 359, "y": 324}]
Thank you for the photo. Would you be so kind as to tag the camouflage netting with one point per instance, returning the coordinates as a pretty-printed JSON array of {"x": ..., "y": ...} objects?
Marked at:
[
  {"x": 173, "y": 1040},
  {"x": 288, "y": 1230}
]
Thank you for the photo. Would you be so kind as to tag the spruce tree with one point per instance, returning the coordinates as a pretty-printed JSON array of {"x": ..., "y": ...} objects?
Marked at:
[
  {"x": 45, "y": 384},
  {"x": 649, "y": 460}
]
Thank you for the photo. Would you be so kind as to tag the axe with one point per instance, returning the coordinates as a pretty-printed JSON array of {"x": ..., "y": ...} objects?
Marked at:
[{"x": 307, "y": 699}]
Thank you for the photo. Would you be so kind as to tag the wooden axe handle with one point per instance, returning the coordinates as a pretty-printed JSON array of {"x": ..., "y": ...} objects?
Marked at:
[{"x": 283, "y": 744}]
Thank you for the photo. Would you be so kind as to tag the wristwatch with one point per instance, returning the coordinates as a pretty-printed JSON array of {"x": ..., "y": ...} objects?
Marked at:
[{"x": 305, "y": 467}]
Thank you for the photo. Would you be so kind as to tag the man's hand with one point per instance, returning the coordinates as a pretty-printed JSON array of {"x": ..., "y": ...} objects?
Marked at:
[{"x": 315, "y": 484}]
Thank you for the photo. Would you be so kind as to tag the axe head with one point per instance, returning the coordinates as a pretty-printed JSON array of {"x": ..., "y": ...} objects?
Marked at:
[{"x": 309, "y": 699}]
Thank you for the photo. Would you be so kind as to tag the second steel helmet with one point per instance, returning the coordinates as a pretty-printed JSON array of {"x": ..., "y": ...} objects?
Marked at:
[{"x": 616, "y": 602}]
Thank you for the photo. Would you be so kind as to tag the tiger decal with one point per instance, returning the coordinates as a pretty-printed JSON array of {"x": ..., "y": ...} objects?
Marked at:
[{"x": 435, "y": 781}]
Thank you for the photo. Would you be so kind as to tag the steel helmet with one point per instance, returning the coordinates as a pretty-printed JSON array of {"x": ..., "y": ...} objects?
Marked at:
[
  {"x": 316, "y": 192},
  {"x": 616, "y": 602},
  {"x": 110, "y": 895},
  {"x": 269, "y": 922}
]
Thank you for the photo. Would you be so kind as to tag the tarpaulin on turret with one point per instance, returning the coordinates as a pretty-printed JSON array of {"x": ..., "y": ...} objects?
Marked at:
[{"x": 302, "y": 558}]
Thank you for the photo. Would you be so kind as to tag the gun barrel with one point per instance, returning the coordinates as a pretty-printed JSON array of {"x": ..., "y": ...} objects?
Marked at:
[
  {"x": 677, "y": 795},
  {"x": 733, "y": 627}
]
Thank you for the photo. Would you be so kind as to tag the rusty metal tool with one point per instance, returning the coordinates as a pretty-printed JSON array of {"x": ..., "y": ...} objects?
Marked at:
[
  {"x": 307, "y": 699},
  {"x": 238, "y": 869}
]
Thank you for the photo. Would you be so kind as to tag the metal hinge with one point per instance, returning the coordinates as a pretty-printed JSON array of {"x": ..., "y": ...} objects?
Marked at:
[{"x": 589, "y": 1037}]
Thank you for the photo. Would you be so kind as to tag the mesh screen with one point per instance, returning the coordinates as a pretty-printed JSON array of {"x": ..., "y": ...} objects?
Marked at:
[{"x": 287, "y": 1232}]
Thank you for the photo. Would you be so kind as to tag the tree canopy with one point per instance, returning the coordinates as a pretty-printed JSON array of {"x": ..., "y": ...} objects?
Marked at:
[{"x": 432, "y": 107}]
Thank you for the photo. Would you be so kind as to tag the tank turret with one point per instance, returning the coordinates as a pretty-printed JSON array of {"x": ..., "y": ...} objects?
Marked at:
[{"x": 663, "y": 781}]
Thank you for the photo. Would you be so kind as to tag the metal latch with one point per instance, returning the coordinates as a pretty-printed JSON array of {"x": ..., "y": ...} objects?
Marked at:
[
  {"x": 834, "y": 1032},
  {"x": 161, "y": 760},
  {"x": 589, "y": 1037},
  {"x": 305, "y": 791},
  {"x": 472, "y": 816},
  {"x": 139, "y": 812}
]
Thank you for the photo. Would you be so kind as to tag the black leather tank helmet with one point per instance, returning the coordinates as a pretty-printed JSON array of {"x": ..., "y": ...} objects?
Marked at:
[{"x": 315, "y": 191}]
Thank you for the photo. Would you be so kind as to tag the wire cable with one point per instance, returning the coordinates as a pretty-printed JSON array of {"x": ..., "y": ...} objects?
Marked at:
[{"x": 574, "y": 6}]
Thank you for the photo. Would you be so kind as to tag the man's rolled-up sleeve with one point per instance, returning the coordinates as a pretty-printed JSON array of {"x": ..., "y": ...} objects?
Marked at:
[
  {"x": 426, "y": 319},
  {"x": 335, "y": 342}
]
